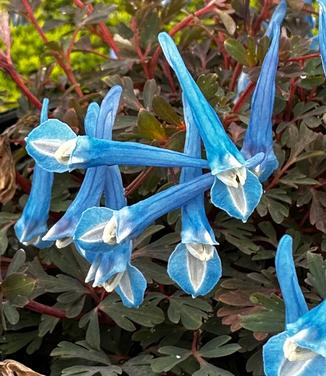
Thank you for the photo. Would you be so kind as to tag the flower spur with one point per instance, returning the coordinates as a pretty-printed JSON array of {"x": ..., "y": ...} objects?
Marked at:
[
  {"x": 194, "y": 264},
  {"x": 236, "y": 189},
  {"x": 32, "y": 224},
  {"x": 301, "y": 349},
  {"x": 98, "y": 123}
]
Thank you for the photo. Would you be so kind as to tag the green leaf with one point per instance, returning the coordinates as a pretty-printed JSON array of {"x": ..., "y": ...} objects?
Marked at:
[
  {"x": 149, "y": 127},
  {"x": 228, "y": 21},
  {"x": 237, "y": 51},
  {"x": 317, "y": 273},
  {"x": 17, "y": 262},
  {"x": 191, "y": 312},
  {"x": 175, "y": 356},
  {"x": 140, "y": 365},
  {"x": 150, "y": 89},
  {"x": 165, "y": 111},
  {"x": 264, "y": 321},
  {"x": 215, "y": 348},
  {"x": 207, "y": 369},
  {"x": 91, "y": 370},
  {"x": 12, "y": 342},
  {"x": 147, "y": 315},
  {"x": 81, "y": 350},
  {"x": 18, "y": 285},
  {"x": 10, "y": 313},
  {"x": 93, "y": 330},
  {"x": 3, "y": 241}
]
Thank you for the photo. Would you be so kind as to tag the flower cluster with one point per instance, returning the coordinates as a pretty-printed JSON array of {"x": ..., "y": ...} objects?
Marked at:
[{"x": 104, "y": 235}]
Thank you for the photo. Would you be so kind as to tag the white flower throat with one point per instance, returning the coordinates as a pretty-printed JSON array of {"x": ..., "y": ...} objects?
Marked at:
[
  {"x": 233, "y": 177},
  {"x": 63, "y": 153},
  {"x": 110, "y": 232}
]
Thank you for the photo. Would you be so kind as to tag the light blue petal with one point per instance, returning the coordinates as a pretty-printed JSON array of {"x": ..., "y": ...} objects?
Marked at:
[
  {"x": 133, "y": 220},
  {"x": 237, "y": 202},
  {"x": 322, "y": 32},
  {"x": 295, "y": 305},
  {"x": 90, "y": 122},
  {"x": 275, "y": 364},
  {"x": 42, "y": 142},
  {"x": 309, "y": 331},
  {"x": 111, "y": 263},
  {"x": 92, "y": 219},
  {"x": 113, "y": 188},
  {"x": 91, "y": 152},
  {"x": 273, "y": 354},
  {"x": 277, "y": 18},
  {"x": 88, "y": 195},
  {"x": 32, "y": 224},
  {"x": 98, "y": 122},
  {"x": 195, "y": 226},
  {"x": 259, "y": 135},
  {"x": 195, "y": 277},
  {"x": 131, "y": 288},
  {"x": 222, "y": 154}
]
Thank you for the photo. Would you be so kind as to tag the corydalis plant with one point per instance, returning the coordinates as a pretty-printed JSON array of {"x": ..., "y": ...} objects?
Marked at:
[
  {"x": 301, "y": 349},
  {"x": 259, "y": 134},
  {"x": 236, "y": 189},
  {"x": 194, "y": 265},
  {"x": 98, "y": 123},
  {"x": 32, "y": 224}
]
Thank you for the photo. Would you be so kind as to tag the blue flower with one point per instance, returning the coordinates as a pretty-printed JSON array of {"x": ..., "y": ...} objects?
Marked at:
[
  {"x": 32, "y": 225},
  {"x": 301, "y": 349},
  {"x": 57, "y": 148},
  {"x": 98, "y": 123},
  {"x": 194, "y": 265},
  {"x": 236, "y": 189},
  {"x": 104, "y": 228},
  {"x": 322, "y": 32},
  {"x": 259, "y": 136}
]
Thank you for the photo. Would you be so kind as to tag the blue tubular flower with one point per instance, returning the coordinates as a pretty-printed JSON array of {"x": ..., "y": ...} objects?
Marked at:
[
  {"x": 98, "y": 123},
  {"x": 259, "y": 136},
  {"x": 194, "y": 265},
  {"x": 102, "y": 229},
  {"x": 322, "y": 32},
  {"x": 32, "y": 225},
  {"x": 309, "y": 18},
  {"x": 236, "y": 189},
  {"x": 301, "y": 349},
  {"x": 57, "y": 148}
]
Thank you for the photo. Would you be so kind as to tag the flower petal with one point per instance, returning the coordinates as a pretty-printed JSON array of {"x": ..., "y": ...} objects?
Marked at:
[
  {"x": 42, "y": 143},
  {"x": 322, "y": 32},
  {"x": 295, "y": 305},
  {"x": 32, "y": 224},
  {"x": 195, "y": 277},
  {"x": 221, "y": 151},
  {"x": 131, "y": 287},
  {"x": 237, "y": 202},
  {"x": 273, "y": 354},
  {"x": 132, "y": 220},
  {"x": 309, "y": 331},
  {"x": 259, "y": 136}
]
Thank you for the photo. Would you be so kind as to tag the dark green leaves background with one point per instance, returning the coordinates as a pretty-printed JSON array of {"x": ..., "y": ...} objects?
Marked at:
[{"x": 47, "y": 310}]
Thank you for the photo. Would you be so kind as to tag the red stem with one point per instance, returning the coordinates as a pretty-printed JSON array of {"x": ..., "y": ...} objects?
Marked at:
[
  {"x": 304, "y": 57},
  {"x": 181, "y": 25},
  {"x": 20, "y": 83},
  {"x": 243, "y": 97},
  {"x": 235, "y": 76},
  {"x": 34, "y": 306},
  {"x": 104, "y": 33},
  {"x": 62, "y": 59}
]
